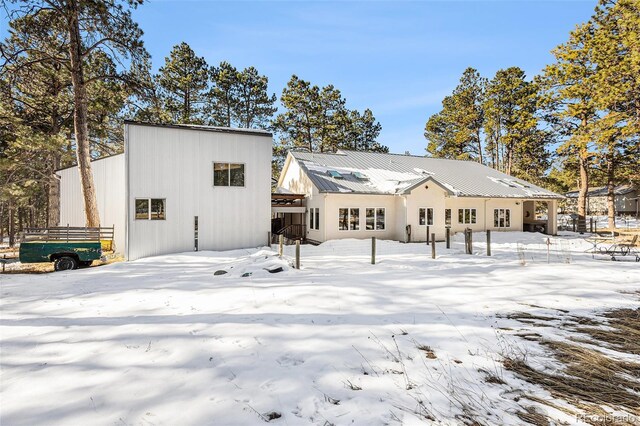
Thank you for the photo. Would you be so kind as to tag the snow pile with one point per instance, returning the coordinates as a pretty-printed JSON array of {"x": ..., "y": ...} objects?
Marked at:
[{"x": 405, "y": 341}]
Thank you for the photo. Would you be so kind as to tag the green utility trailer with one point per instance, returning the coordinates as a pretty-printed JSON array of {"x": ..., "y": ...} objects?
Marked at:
[{"x": 67, "y": 247}]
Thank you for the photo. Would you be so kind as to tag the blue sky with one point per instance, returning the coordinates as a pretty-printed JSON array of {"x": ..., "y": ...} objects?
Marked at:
[{"x": 399, "y": 58}]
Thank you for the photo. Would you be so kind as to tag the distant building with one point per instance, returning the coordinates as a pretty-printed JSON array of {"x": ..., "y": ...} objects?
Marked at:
[
  {"x": 364, "y": 194},
  {"x": 625, "y": 201},
  {"x": 178, "y": 188}
]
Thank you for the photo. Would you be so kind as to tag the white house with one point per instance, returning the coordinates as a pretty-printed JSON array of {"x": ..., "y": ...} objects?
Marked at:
[
  {"x": 363, "y": 194},
  {"x": 625, "y": 200},
  {"x": 179, "y": 188}
]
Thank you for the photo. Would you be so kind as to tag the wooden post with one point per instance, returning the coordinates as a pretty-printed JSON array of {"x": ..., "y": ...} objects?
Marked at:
[
  {"x": 297, "y": 254},
  {"x": 470, "y": 241},
  {"x": 447, "y": 233},
  {"x": 488, "y": 242},
  {"x": 427, "y": 234},
  {"x": 595, "y": 226},
  {"x": 433, "y": 246},
  {"x": 591, "y": 225},
  {"x": 269, "y": 239},
  {"x": 280, "y": 244},
  {"x": 574, "y": 225},
  {"x": 373, "y": 250}
]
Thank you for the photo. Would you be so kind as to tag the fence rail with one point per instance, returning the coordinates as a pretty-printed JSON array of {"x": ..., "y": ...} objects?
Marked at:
[{"x": 68, "y": 233}]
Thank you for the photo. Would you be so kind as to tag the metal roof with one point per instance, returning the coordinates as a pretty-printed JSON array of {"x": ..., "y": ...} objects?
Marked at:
[
  {"x": 257, "y": 132},
  {"x": 601, "y": 191},
  {"x": 398, "y": 174}
]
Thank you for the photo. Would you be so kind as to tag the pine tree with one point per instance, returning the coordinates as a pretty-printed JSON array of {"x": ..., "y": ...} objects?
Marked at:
[
  {"x": 364, "y": 133},
  {"x": 88, "y": 27},
  {"x": 568, "y": 87},
  {"x": 297, "y": 124},
  {"x": 455, "y": 132},
  {"x": 516, "y": 145},
  {"x": 614, "y": 46},
  {"x": 184, "y": 82},
  {"x": 318, "y": 120},
  {"x": 254, "y": 107},
  {"x": 224, "y": 95}
]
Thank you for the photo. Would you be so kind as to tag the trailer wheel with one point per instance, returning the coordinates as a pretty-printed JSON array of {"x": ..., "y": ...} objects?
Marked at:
[{"x": 65, "y": 263}]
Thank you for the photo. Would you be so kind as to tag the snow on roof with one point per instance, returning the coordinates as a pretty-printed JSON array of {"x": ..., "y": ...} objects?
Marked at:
[{"x": 397, "y": 174}]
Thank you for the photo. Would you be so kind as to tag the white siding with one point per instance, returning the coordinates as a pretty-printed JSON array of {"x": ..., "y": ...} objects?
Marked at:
[
  {"x": 108, "y": 177},
  {"x": 177, "y": 165}
]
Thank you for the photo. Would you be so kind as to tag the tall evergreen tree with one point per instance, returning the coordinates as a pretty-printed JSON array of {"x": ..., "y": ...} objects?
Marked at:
[
  {"x": 568, "y": 97},
  {"x": 455, "y": 132},
  {"x": 515, "y": 143},
  {"x": 88, "y": 27},
  {"x": 365, "y": 131},
  {"x": 184, "y": 81},
  {"x": 318, "y": 120},
  {"x": 224, "y": 95},
  {"x": 254, "y": 107},
  {"x": 614, "y": 46}
]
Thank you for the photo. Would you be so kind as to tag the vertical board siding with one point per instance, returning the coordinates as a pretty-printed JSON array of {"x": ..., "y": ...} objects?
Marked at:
[
  {"x": 109, "y": 180},
  {"x": 177, "y": 165}
]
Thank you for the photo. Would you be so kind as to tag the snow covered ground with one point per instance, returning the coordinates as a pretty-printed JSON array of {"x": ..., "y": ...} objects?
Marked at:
[{"x": 163, "y": 341}]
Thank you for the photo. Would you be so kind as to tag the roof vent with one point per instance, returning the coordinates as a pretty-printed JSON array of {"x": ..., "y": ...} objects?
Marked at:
[{"x": 335, "y": 174}]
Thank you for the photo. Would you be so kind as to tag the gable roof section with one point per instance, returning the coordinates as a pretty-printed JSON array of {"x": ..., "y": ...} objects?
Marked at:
[
  {"x": 601, "y": 191},
  {"x": 399, "y": 174}
]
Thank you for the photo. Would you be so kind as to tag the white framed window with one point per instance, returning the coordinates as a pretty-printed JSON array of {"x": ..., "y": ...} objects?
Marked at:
[
  {"x": 314, "y": 218},
  {"x": 150, "y": 209},
  {"x": 467, "y": 216},
  {"x": 228, "y": 174},
  {"x": 447, "y": 216},
  {"x": 501, "y": 218},
  {"x": 348, "y": 219},
  {"x": 425, "y": 216},
  {"x": 375, "y": 218}
]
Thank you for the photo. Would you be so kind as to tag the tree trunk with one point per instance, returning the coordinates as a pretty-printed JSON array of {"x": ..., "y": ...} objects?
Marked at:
[
  {"x": 83, "y": 150},
  {"x": 479, "y": 147},
  {"x": 611, "y": 206},
  {"x": 10, "y": 227},
  {"x": 53, "y": 207},
  {"x": 584, "y": 185}
]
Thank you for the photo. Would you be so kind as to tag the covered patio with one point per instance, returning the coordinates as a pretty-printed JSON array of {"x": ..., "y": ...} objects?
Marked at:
[
  {"x": 540, "y": 216},
  {"x": 288, "y": 216}
]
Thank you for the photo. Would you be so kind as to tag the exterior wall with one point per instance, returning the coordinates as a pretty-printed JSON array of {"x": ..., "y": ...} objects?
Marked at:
[
  {"x": 177, "y": 165},
  {"x": 109, "y": 180},
  {"x": 426, "y": 196},
  {"x": 333, "y": 202},
  {"x": 295, "y": 180},
  {"x": 627, "y": 203},
  {"x": 484, "y": 213}
]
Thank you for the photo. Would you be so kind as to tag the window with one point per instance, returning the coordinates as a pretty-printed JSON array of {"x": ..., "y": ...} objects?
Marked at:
[
  {"x": 150, "y": 208},
  {"x": 348, "y": 219},
  {"x": 142, "y": 208},
  {"x": 228, "y": 174},
  {"x": 467, "y": 216},
  {"x": 447, "y": 216},
  {"x": 502, "y": 218},
  {"x": 425, "y": 216},
  {"x": 375, "y": 219},
  {"x": 314, "y": 218}
]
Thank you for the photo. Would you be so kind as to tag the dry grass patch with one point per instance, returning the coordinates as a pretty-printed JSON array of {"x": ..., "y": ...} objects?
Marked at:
[{"x": 592, "y": 379}]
